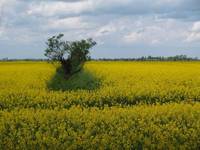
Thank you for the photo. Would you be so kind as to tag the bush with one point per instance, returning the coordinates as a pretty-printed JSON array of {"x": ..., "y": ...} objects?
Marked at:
[{"x": 71, "y": 55}]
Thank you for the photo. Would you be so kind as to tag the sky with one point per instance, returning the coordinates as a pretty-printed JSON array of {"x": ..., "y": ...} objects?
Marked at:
[{"x": 122, "y": 28}]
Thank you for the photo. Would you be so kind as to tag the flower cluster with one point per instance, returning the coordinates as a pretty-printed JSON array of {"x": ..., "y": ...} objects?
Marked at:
[{"x": 109, "y": 105}]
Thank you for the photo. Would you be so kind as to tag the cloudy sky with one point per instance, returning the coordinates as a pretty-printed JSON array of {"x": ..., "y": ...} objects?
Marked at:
[{"x": 122, "y": 28}]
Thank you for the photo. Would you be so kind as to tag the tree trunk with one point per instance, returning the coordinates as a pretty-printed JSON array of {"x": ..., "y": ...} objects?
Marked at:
[{"x": 66, "y": 65}]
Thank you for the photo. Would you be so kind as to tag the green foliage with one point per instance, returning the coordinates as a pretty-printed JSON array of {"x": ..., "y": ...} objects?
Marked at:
[
  {"x": 83, "y": 80},
  {"x": 71, "y": 55},
  {"x": 56, "y": 48}
]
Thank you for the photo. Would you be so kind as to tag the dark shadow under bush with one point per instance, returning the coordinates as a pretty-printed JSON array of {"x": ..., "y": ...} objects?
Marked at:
[{"x": 83, "y": 80}]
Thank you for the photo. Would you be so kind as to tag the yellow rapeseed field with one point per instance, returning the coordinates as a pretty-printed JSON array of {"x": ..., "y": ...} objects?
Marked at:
[{"x": 108, "y": 105}]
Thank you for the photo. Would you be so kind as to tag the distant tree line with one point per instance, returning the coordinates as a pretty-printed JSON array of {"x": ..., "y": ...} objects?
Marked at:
[
  {"x": 143, "y": 58},
  {"x": 24, "y": 59},
  {"x": 153, "y": 58}
]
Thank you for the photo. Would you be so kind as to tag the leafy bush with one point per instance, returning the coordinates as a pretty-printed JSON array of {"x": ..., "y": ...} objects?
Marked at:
[{"x": 71, "y": 55}]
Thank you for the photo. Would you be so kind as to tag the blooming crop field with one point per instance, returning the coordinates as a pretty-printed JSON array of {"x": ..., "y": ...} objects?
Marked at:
[{"x": 108, "y": 105}]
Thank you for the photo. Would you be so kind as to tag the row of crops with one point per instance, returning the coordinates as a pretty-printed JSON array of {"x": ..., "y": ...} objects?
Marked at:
[
  {"x": 159, "y": 127},
  {"x": 109, "y": 105}
]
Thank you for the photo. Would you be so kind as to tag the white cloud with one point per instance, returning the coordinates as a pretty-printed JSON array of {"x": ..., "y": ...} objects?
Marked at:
[
  {"x": 193, "y": 37},
  {"x": 133, "y": 37},
  {"x": 133, "y": 7},
  {"x": 2, "y": 2},
  {"x": 115, "y": 24},
  {"x": 196, "y": 27},
  {"x": 194, "y": 34},
  {"x": 67, "y": 24},
  {"x": 105, "y": 30},
  {"x": 58, "y": 8},
  {"x": 6, "y": 7},
  {"x": 151, "y": 35},
  {"x": 156, "y": 32},
  {"x": 53, "y": 8},
  {"x": 5, "y": 4},
  {"x": 1, "y": 31}
]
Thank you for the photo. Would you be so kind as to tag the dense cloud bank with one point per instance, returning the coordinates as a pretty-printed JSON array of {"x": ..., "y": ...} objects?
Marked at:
[{"x": 122, "y": 28}]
